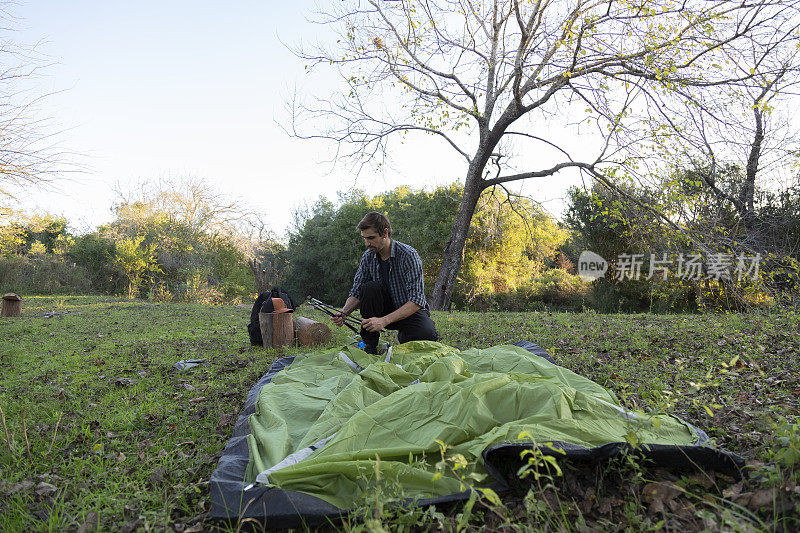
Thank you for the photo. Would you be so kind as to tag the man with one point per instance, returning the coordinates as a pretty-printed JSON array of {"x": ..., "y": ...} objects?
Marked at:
[{"x": 388, "y": 287}]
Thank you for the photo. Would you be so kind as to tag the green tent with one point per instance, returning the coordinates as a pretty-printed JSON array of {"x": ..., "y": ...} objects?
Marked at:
[{"x": 331, "y": 425}]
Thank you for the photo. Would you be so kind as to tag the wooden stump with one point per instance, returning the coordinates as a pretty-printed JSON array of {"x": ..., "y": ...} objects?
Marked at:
[
  {"x": 310, "y": 332},
  {"x": 12, "y": 305},
  {"x": 265, "y": 323},
  {"x": 276, "y": 329}
]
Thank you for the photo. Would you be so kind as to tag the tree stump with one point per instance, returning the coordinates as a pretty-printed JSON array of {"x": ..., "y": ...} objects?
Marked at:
[
  {"x": 310, "y": 332},
  {"x": 276, "y": 329},
  {"x": 265, "y": 323},
  {"x": 12, "y": 305}
]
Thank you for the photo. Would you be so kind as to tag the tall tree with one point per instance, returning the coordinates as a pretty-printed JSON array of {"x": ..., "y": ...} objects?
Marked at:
[
  {"x": 487, "y": 77},
  {"x": 29, "y": 147},
  {"x": 731, "y": 169}
]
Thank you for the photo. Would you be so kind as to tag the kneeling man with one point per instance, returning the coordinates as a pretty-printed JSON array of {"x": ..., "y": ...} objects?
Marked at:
[{"x": 388, "y": 287}]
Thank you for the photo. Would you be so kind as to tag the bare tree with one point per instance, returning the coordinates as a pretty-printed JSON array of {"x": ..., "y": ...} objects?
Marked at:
[
  {"x": 30, "y": 152},
  {"x": 264, "y": 255},
  {"x": 494, "y": 78},
  {"x": 188, "y": 199},
  {"x": 734, "y": 164},
  {"x": 194, "y": 202}
]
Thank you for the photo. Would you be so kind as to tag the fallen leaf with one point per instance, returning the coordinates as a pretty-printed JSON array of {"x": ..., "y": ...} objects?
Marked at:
[
  {"x": 656, "y": 507},
  {"x": 762, "y": 498},
  {"x": 743, "y": 498},
  {"x": 44, "y": 489},
  {"x": 675, "y": 506},
  {"x": 130, "y": 527},
  {"x": 732, "y": 491},
  {"x": 157, "y": 476},
  {"x": 658, "y": 494},
  {"x": 21, "y": 486},
  {"x": 585, "y": 506},
  {"x": 198, "y": 399},
  {"x": 604, "y": 506},
  {"x": 703, "y": 478},
  {"x": 89, "y": 522},
  {"x": 662, "y": 491},
  {"x": 226, "y": 419},
  {"x": 206, "y": 459}
]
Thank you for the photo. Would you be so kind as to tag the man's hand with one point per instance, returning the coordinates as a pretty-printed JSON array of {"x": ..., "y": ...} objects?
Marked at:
[
  {"x": 349, "y": 306},
  {"x": 338, "y": 319},
  {"x": 375, "y": 323}
]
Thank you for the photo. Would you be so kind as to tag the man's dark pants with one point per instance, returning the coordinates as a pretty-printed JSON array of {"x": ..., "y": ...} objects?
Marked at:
[{"x": 375, "y": 301}]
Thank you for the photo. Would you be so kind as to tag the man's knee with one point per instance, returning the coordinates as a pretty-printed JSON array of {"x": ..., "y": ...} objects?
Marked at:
[{"x": 422, "y": 329}]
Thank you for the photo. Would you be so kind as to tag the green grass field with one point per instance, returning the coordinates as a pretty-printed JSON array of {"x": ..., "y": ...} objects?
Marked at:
[{"x": 99, "y": 432}]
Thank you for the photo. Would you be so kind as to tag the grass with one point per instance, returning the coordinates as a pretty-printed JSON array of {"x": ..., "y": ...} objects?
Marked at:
[{"x": 100, "y": 432}]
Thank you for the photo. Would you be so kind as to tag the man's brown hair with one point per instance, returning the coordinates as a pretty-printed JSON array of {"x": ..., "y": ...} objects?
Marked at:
[{"x": 377, "y": 221}]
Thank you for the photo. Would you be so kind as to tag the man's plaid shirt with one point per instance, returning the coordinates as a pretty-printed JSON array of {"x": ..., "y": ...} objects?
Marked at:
[{"x": 405, "y": 275}]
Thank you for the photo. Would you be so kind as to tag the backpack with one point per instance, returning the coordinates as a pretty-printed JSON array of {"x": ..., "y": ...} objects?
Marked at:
[{"x": 264, "y": 301}]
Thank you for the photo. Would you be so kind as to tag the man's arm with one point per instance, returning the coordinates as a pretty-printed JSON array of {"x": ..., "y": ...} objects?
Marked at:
[
  {"x": 353, "y": 299},
  {"x": 349, "y": 306},
  {"x": 411, "y": 277},
  {"x": 379, "y": 322}
]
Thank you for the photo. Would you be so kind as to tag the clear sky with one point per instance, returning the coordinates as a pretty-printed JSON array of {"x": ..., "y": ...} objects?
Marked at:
[{"x": 195, "y": 88}]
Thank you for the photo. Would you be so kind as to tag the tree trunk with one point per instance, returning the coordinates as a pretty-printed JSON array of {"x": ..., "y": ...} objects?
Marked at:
[
  {"x": 310, "y": 332},
  {"x": 282, "y": 330},
  {"x": 453, "y": 252},
  {"x": 277, "y": 329},
  {"x": 260, "y": 276},
  {"x": 265, "y": 323},
  {"x": 747, "y": 192},
  {"x": 12, "y": 305}
]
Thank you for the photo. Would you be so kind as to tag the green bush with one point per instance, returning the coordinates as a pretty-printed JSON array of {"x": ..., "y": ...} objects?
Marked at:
[
  {"x": 95, "y": 254},
  {"x": 42, "y": 274},
  {"x": 556, "y": 287},
  {"x": 611, "y": 296},
  {"x": 551, "y": 289}
]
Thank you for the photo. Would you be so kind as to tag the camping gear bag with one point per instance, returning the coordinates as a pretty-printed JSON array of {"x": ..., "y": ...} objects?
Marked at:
[{"x": 262, "y": 304}]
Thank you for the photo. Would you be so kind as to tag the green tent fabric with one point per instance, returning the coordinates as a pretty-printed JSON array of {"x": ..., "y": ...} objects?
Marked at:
[{"x": 321, "y": 424}]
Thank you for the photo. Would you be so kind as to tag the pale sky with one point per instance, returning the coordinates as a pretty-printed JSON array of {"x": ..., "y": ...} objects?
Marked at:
[{"x": 156, "y": 89}]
